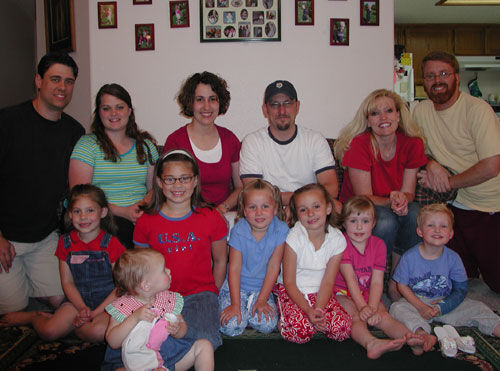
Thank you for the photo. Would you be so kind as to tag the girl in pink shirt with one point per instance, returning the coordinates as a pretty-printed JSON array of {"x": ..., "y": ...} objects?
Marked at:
[{"x": 360, "y": 283}]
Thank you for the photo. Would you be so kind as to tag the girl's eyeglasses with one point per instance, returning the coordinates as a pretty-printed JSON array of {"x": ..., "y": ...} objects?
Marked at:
[{"x": 169, "y": 180}]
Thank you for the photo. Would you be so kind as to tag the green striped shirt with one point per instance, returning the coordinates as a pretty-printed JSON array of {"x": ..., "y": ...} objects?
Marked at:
[{"x": 124, "y": 181}]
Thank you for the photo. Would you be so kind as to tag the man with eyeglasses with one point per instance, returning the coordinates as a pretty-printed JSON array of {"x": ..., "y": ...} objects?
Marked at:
[
  {"x": 284, "y": 153},
  {"x": 463, "y": 134}
]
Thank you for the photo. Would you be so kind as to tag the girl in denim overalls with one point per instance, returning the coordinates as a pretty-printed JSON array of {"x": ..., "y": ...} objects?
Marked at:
[{"x": 86, "y": 256}]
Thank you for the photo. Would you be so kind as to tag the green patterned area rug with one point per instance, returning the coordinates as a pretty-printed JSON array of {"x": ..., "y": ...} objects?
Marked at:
[{"x": 21, "y": 349}]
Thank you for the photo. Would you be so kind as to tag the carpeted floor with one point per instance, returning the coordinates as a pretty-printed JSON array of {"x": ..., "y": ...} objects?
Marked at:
[{"x": 21, "y": 349}]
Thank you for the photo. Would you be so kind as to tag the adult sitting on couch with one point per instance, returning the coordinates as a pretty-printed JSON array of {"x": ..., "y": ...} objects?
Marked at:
[
  {"x": 285, "y": 154},
  {"x": 117, "y": 157},
  {"x": 382, "y": 149}
]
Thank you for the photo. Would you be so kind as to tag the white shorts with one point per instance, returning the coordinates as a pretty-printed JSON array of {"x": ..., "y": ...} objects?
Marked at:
[{"x": 34, "y": 273}]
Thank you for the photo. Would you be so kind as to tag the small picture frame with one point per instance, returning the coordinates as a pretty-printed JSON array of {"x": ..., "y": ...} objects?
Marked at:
[
  {"x": 106, "y": 14},
  {"x": 142, "y": 2},
  {"x": 144, "y": 36},
  {"x": 304, "y": 12},
  {"x": 339, "y": 31},
  {"x": 179, "y": 14},
  {"x": 369, "y": 12}
]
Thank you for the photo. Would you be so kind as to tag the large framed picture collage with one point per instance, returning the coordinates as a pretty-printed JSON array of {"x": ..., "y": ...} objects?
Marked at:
[{"x": 240, "y": 20}]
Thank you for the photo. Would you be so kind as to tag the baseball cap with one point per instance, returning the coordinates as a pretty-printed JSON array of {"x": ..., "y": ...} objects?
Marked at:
[{"x": 280, "y": 86}]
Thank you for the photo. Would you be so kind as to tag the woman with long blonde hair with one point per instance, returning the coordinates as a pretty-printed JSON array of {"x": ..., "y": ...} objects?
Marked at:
[{"x": 381, "y": 150}]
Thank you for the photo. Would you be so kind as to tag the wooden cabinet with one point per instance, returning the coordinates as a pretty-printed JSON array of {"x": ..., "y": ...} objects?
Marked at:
[
  {"x": 492, "y": 39},
  {"x": 457, "y": 39},
  {"x": 422, "y": 39},
  {"x": 469, "y": 40}
]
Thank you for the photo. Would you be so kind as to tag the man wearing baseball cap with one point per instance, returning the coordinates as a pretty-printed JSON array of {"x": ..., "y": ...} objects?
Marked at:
[{"x": 284, "y": 153}]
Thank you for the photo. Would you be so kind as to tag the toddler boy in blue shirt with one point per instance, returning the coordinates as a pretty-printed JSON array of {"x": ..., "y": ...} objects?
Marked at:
[{"x": 433, "y": 282}]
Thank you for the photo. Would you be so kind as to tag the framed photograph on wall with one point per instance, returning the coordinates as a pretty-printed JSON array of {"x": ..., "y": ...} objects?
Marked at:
[
  {"x": 106, "y": 14},
  {"x": 304, "y": 12},
  {"x": 179, "y": 14},
  {"x": 339, "y": 31},
  {"x": 240, "y": 20},
  {"x": 145, "y": 36},
  {"x": 142, "y": 2},
  {"x": 59, "y": 25},
  {"x": 369, "y": 12}
]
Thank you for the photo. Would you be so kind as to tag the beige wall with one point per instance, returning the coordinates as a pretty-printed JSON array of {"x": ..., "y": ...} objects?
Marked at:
[{"x": 331, "y": 80}]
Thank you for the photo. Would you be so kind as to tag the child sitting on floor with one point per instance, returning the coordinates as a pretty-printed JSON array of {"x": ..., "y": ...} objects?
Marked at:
[
  {"x": 433, "y": 281},
  {"x": 256, "y": 249},
  {"x": 86, "y": 256},
  {"x": 143, "y": 280},
  {"x": 360, "y": 283},
  {"x": 311, "y": 261}
]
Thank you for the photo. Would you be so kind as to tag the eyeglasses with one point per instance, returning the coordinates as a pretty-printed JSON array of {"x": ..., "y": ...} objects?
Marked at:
[
  {"x": 278, "y": 105},
  {"x": 169, "y": 180},
  {"x": 442, "y": 74}
]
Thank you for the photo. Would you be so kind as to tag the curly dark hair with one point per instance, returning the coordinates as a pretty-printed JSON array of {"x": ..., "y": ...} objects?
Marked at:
[
  {"x": 185, "y": 98},
  {"x": 132, "y": 131}
]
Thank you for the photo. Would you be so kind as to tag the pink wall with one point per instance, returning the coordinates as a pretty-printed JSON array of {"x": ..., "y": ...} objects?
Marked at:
[{"x": 331, "y": 80}]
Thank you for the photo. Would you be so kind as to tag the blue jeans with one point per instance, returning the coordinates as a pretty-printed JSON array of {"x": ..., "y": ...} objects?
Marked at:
[
  {"x": 172, "y": 351},
  {"x": 201, "y": 313},
  {"x": 398, "y": 232},
  {"x": 248, "y": 299}
]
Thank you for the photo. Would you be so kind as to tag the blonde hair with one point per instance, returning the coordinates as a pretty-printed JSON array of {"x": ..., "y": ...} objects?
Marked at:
[
  {"x": 259, "y": 184},
  {"x": 332, "y": 219},
  {"x": 357, "y": 204},
  {"x": 434, "y": 209},
  {"x": 360, "y": 123},
  {"x": 131, "y": 268}
]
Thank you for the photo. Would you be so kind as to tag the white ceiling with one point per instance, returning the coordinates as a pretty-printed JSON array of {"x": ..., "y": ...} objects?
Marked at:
[{"x": 425, "y": 11}]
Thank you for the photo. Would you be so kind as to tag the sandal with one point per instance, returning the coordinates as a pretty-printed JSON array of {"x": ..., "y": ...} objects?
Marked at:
[
  {"x": 464, "y": 343},
  {"x": 447, "y": 344}
]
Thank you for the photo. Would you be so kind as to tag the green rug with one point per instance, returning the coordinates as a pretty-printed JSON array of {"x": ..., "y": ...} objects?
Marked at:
[{"x": 21, "y": 349}]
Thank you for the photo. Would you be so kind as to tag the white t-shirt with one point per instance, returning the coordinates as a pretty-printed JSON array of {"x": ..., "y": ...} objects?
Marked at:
[
  {"x": 288, "y": 165},
  {"x": 210, "y": 156},
  {"x": 311, "y": 264}
]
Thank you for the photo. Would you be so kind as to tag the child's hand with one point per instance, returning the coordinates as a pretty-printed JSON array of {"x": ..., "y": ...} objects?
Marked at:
[
  {"x": 82, "y": 317},
  {"x": 230, "y": 312},
  {"x": 144, "y": 313},
  {"x": 261, "y": 307},
  {"x": 174, "y": 327},
  {"x": 366, "y": 312},
  {"x": 436, "y": 307},
  {"x": 428, "y": 312},
  {"x": 374, "y": 320},
  {"x": 317, "y": 318}
]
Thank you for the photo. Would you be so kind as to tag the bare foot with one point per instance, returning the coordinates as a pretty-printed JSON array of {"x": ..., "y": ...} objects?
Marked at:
[
  {"x": 376, "y": 347},
  {"x": 429, "y": 341},
  {"x": 415, "y": 342},
  {"x": 17, "y": 318}
]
